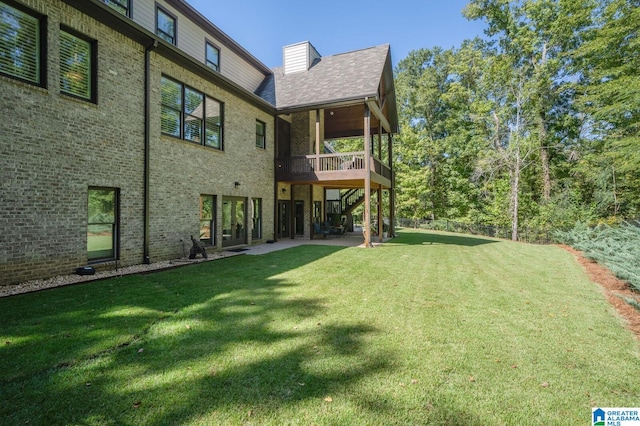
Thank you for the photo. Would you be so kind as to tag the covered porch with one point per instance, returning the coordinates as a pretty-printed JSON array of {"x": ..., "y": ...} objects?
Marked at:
[
  {"x": 334, "y": 140},
  {"x": 339, "y": 181}
]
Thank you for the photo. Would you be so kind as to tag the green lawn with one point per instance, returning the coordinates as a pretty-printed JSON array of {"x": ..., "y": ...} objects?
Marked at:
[{"x": 431, "y": 328}]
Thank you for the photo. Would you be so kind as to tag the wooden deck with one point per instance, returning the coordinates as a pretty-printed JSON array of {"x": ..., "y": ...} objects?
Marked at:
[{"x": 340, "y": 169}]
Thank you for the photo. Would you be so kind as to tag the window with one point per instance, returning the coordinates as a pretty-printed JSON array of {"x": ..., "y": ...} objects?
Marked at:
[
  {"x": 261, "y": 131},
  {"x": 190, "y": 115},
  {"x": 256, "y": 232},
  {"x": 207, "y": 219},
  {"x": 22, "y": 44},
  {"x": 77, "y": 66},
  {"x": 121, "y": 6},
  {"x": 102, "y": 224},
  {"x": 212, "y": 56},
  {"x": 166, "y": 26}
]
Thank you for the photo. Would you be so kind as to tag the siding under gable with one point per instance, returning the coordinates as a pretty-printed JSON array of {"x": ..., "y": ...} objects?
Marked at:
[{"x": 191, "y": 40}]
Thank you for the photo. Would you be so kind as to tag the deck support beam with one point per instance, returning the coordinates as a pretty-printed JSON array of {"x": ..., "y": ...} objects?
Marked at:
[
  {"x": 392, "y": 189},
  {"x": 317, "y": 137},
  {"x": 380, "y": 216},
  {"x": 367, "y": 179}
]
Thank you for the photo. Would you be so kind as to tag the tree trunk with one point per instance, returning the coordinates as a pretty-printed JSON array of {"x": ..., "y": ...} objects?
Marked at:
[
  {"x": 544, "y": 157},
  {"x": 515, "y": 190},
  {"x": 433, "y": 191}
]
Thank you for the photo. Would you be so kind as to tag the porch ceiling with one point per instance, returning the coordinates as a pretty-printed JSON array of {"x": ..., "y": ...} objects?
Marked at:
[
  {"x": 339, "y": 184},
  {"x": 347, "y": 121}
]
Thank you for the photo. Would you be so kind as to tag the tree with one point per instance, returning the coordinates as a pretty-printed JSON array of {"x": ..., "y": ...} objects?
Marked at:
[
  {"x": 610, "y": 94},
  {"x": 422, "y": 80},
  {"x": 537, "y": 35}
]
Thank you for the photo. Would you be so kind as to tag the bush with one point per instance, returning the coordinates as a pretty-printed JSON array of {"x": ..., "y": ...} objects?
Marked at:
[{"x": 616, "y": 247}]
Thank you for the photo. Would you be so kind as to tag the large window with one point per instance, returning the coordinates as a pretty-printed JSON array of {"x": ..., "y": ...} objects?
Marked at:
[
  {"x": 22, "y": 44},
  {"x": 256, "y": 231},
  {"x": 190, "y": 115},
  {"x": 122, "y": 6},
  {"x": 166, "y": 26},
  {"x": 77, "y": 66},
  {"x": 212, "y": 56},
  {"x": 261, "y": 134},
  {"x": 102, "y": 224},
  {"x": 207, "y": 219}
]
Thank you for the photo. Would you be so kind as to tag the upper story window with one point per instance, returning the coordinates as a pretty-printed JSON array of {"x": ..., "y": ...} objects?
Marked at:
[
  {"x": 261, "y": 132},
  {"x": 166, "y": 25},
  {"x": 212, "y": 56},
  {"x": 122, "y": 6},
  {"x": 77, "y": 66},
  {"x": 22, "y": 44},
  {"x": 190, "y": 115}
]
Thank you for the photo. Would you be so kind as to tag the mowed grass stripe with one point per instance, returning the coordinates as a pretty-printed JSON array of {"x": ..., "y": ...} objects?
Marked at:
[{"x": 432, "y": 328}]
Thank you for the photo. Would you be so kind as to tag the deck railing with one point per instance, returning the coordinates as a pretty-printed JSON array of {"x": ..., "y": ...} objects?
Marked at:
[{"x": 342, "y": 161}]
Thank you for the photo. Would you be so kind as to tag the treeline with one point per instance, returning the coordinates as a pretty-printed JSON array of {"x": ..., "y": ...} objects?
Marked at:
[{"x": 536, "y": 125}]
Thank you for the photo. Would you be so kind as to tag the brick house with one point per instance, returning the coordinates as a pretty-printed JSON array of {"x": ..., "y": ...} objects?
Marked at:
[{"x": 131, "y": 125}]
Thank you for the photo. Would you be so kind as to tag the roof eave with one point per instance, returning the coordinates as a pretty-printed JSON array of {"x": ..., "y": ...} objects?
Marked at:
[{"x": 334, "y": 103}]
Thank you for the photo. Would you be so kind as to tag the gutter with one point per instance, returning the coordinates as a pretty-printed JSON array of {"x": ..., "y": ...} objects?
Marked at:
[{"x": 147, "y": 147}]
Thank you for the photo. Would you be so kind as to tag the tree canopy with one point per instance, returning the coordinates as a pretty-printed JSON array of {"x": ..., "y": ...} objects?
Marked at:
[{"x": 536, "y": 124}]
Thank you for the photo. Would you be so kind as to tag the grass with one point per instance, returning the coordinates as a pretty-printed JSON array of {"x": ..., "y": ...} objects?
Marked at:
[{"x": 432, "y": 328}]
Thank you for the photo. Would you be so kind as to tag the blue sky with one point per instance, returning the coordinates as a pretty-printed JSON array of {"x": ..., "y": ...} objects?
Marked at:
[{"x": 334, "y": 26}]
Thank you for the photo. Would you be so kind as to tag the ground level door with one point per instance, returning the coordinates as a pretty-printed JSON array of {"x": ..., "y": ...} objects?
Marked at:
[
  {"x": 234, "y": 222},
  {"x": 299, "y": 218},
  {"x": 284, "y": 219}
]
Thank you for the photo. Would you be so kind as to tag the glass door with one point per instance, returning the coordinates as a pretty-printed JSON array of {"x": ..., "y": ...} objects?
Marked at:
[
  {"x": 284, "y": 219},
  {"x": 234, "y": 224}
]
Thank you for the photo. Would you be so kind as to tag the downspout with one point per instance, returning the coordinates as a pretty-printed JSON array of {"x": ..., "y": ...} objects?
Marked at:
[
  {"x": 147, "y": 146},
  {"x": 276, "y": 205}
]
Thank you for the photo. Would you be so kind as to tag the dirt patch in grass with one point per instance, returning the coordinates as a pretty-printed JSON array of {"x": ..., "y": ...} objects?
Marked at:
[{"x": 614, "y": 289}]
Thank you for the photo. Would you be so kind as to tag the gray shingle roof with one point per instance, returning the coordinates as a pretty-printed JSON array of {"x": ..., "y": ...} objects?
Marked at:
[{"x": 346, "y": 76}]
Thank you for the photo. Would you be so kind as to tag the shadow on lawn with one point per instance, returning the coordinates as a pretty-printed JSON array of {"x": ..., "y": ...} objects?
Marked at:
[
  {"x": 178, "y": 346},
  {"x": 430, "y": 238}
]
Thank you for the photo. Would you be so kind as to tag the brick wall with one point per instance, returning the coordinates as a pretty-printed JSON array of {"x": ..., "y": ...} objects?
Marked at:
[
  {"x": 181, "y": 171},
  {"x": 54, "y": 147}
]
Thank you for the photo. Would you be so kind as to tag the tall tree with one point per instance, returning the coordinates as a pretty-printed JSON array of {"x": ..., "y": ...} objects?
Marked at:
[
  {"x": 609, "y": 64},
  {"x": 538, "y": 33},
  {"x": 422, "y": 79}
]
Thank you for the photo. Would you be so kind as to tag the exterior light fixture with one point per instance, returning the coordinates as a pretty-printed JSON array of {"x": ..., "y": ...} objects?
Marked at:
[{"x": 237, "y": 184}]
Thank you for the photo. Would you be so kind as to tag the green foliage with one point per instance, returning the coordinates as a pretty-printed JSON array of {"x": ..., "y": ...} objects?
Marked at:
[
  {"x": 632, "y": 302},
  {"x": 616, "y": 247},
  {"x": 536, "y": 125},
  {"x": 610, "y": 93}
]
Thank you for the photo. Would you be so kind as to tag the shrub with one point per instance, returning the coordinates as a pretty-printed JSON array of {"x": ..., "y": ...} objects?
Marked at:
[{"x": 616, "y": 247}]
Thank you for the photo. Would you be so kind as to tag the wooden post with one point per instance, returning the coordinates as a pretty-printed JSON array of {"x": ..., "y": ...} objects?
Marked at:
[
  {"x": 392, "y": 190},
  {"x": 317, "y": 140},
  {"x": 380, "y": 141},
  {"x": 380, "y": 215},
  {"x": 367, "y": 178}
]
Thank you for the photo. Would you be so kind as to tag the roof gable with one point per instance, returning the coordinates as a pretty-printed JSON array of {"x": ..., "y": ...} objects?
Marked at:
[{"x": 330, "y": 79}]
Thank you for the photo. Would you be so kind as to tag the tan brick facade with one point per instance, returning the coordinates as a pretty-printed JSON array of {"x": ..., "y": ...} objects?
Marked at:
[
  {"x": 54, "y": 147},
  {"x": 181, "y": 171}
]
